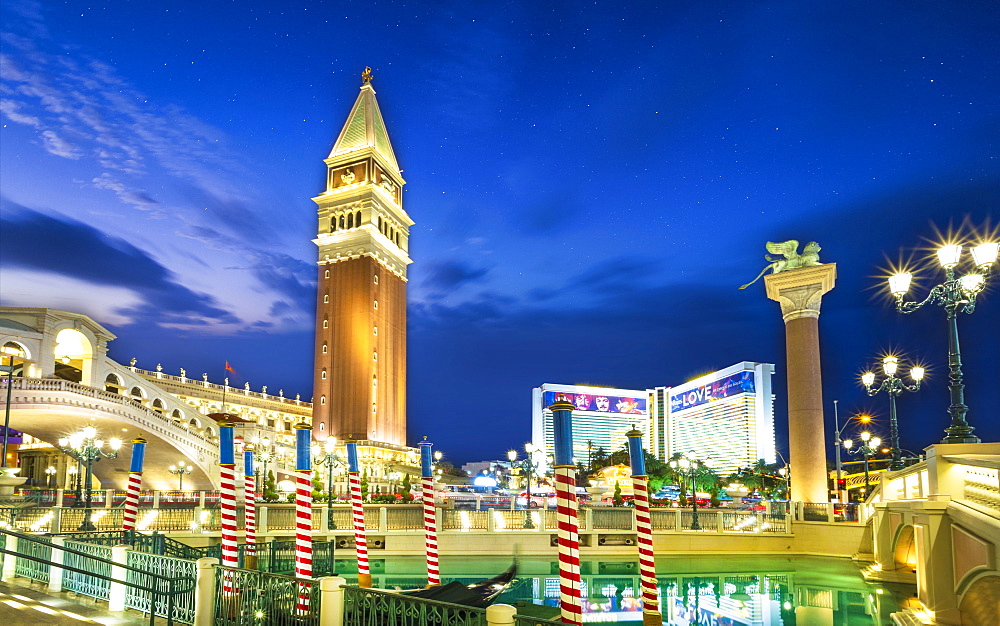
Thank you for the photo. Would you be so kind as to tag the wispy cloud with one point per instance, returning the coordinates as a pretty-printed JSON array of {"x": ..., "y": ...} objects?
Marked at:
[{"x": 43, "y": 243}]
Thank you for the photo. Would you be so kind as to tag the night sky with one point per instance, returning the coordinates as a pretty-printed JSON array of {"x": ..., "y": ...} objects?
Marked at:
[{"x": 591, "y": 183}]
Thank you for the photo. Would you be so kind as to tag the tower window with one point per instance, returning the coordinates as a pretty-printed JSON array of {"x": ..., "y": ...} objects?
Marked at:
[
  {"x": 375, "y": 330},
  {"x": 322, "y": 374},
  {"x": 322, "y": 426},
  {"x": 374, "y": 356},
  {"x": 322, "y": 399},
  {"x": 376, "y": 304},
  {"x": 326, "y": 274},
  {"x": 326, "y": 297},
  {"x": 324, "y": 348},
  {"x": 326, "y": 324},
  {"x": 376, "y": 279}
]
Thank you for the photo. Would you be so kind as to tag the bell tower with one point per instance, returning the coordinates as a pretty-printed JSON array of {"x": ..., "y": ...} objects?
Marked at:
[{"x": 363, "y": 237}]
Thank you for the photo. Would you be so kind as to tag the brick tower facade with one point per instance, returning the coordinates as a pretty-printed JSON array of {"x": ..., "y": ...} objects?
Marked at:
[{"x": 363, "y": 237}]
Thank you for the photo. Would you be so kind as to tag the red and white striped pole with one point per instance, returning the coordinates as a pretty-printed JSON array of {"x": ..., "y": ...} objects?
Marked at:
[
  {"x": 227, "y": 502},
  {"x": 651, "y": 615},
  {"x": 358, "y": 516},
  {"x": 571, "y": 603},
  {"x": 249, "y": 509},
  {"x": 134, "y": 482},
  {"x": 430, "y": 514},
  {"x": 303, "y": 512}
]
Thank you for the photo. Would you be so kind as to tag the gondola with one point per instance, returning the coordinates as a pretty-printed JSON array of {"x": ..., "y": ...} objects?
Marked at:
[{"x": 476, "y": 595}]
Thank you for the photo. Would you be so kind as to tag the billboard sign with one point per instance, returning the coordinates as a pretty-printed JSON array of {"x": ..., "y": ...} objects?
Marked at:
[
  {"x": 740, "y": 382},
  {"x": 597, "y": 403}
]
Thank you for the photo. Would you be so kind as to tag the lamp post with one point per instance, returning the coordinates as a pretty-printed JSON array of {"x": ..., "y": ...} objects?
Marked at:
[
  {"x": 528, "y": 466},
  {"x": 957, "y": 295},
  {"x": 50, "y": 473},
  {"x": 894, "y": 386},
  {"x": 179, "y": 471},
  {"x": 10, "y": 350},
  {"x": 263, "y": 447},
  {"x": 690, "y": 467},
  {"x": 838, "y": 439},
  {"x": 325, "y": 456},
  {"x": 86, "y": 448},
  {"x": 74, "y": 473},
  {"x": 868, "y": 449},
  {"x": 785, "y": 471}
]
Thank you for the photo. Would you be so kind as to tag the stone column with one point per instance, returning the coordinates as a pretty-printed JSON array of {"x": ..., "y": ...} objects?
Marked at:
[{"x": 799, "y": 292}]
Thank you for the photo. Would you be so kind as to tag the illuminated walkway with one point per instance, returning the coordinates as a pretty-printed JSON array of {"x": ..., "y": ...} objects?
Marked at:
[{"x": 26, "y": 605}]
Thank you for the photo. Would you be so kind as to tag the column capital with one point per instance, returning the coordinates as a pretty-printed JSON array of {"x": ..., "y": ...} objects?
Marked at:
[{"x": 800, "y": 291}]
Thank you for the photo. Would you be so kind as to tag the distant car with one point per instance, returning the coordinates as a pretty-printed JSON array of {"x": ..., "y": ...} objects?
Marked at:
[{"x": 538, "y": 499}]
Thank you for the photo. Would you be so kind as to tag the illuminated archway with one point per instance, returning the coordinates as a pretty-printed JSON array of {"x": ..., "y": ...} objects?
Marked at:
[
  {"x": 74, "y": 355},
  {"x": 905, "y": 552}
]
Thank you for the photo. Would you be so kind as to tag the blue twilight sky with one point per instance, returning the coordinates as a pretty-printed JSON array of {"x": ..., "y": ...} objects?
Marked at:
[{"x": 591, "y": 183}]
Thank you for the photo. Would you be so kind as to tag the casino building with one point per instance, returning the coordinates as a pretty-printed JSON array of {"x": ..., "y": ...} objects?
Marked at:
[
  {"x": 725, "y": 418},
  {"x": 601, "y": 419}
]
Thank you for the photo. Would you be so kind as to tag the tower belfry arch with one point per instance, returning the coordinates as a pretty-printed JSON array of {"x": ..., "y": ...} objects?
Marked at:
[{"x": 363, "y": 241}]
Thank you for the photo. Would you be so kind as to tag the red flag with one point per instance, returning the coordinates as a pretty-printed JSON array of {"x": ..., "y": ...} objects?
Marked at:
[{"x": 229, "y": 368}]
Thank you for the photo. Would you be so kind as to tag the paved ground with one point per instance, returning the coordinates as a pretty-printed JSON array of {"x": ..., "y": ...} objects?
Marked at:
[{"x": 26, "y": 604}]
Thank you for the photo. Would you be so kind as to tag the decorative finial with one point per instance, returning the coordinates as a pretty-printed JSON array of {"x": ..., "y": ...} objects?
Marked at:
[{"x": 366, "y": 76}]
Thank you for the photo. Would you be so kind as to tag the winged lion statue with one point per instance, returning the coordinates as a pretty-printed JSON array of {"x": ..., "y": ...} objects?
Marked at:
[{"x": 790, "y": 258}]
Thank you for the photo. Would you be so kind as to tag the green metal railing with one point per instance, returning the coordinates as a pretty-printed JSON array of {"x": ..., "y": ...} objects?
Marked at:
[
  {"x": 152, "y": 543},
  {"x": 40, "y": 549},
  {"x": 370, "y": 607},
  {"x": 250, "y": 598},
  {"x": 278, "y": 557},
  {"x": 89, "y": 569},
  {"x": 179, "y": 604}
]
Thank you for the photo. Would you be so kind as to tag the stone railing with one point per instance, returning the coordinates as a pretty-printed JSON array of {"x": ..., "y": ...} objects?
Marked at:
[
  {"x": 982, "y": 484},
  {"x": 235, "y": 391}
]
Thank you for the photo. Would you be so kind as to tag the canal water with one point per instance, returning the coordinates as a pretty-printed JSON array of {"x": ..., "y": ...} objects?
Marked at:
[{"x": 703, "y": 590}]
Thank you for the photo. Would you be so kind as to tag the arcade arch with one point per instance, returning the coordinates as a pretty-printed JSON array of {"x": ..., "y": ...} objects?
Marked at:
[{"x": 74, "y": 356}]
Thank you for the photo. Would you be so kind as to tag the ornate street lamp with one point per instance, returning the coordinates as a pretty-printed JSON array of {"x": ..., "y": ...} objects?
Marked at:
[
  {"x": 868, "y": 449},
  {"x": 894, "y": 386},
  {"x": 838, "y": 440},
  {"x": 263, "y": 447},
  {"x": 957, "y": 295},
  {"x": 690, "y": 467},
  {"x": 50, "y": 473},
  {"x": 325, "y": 456},
  {"x": 86, "y": 448},
  {"x": 75, "y": 474},
  {"x": 179, "y": 471},
  {"x": 528, "y": 466},
  {"x": 10, "y": 350}
]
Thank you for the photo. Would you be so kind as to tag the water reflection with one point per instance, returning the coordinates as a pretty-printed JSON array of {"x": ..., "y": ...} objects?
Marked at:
[{"x": 703, "y": 590}]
